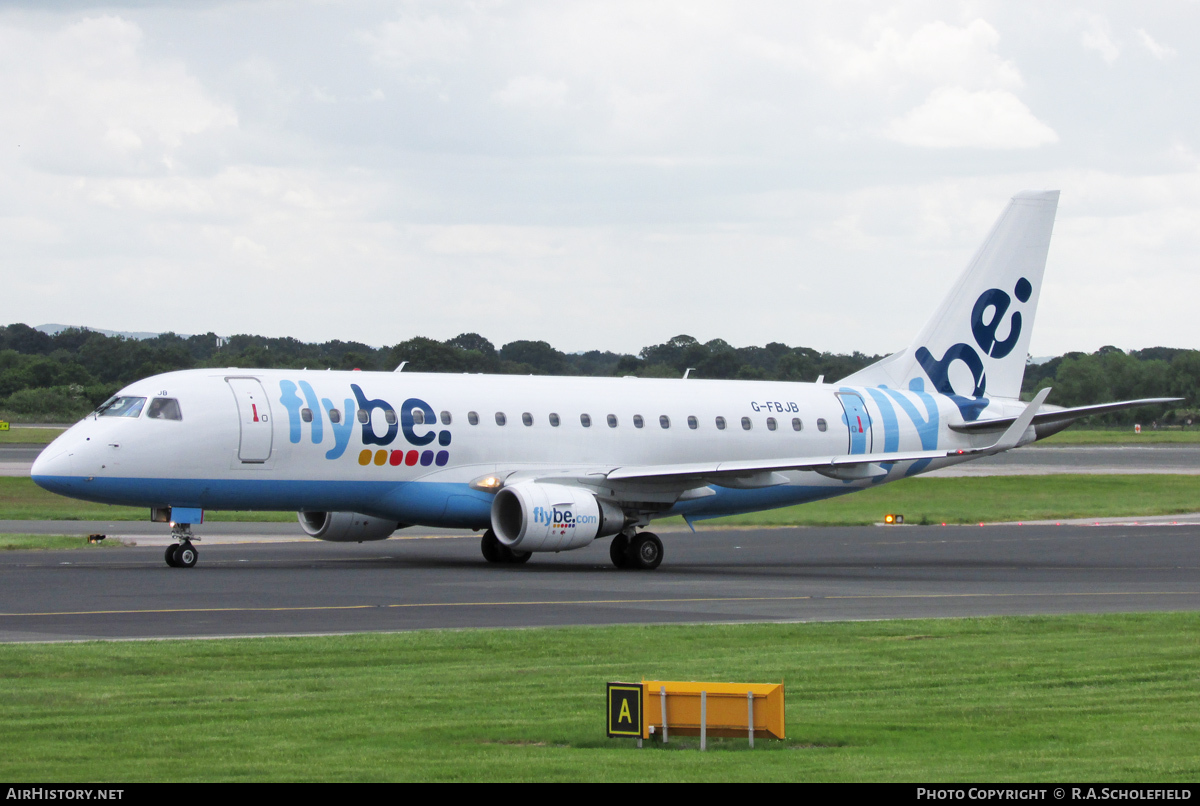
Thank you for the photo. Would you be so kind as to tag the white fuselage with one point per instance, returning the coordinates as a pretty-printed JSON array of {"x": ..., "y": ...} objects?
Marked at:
[{"x": 268, "y": 440}]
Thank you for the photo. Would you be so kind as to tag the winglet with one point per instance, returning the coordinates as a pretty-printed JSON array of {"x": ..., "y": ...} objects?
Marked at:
[{"x": 1015, "y": 431}]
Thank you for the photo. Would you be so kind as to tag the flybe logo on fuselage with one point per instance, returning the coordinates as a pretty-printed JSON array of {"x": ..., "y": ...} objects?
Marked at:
[
  {"x": 984, "y": 332},
  {"x": 359, "y": 410}
]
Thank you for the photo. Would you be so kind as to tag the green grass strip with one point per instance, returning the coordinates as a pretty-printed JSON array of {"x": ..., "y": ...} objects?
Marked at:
[
  {"x": 920, "y": 500},
  {"x": 21, "y": 499},
  {"x": 29, "y": 436},
  {"x": 40, "y": 542},
  {"x": 1103, "y": 698},
  {"x": 991, "y": 499},
  {"x": 1127, "y": 437}
]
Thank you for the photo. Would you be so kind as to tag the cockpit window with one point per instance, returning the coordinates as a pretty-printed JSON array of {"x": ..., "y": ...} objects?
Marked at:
[
  {"x": 121, "y": 407},
  {"x": 167, "y": 408}
]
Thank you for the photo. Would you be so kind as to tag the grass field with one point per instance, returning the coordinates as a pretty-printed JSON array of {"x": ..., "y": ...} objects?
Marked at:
[
  {"x": 26, "y": 542},
  {"x": 1084, "y": 436},
  {"x": 920, "y": 500},
  {"x": 1099, "y": 698},
  {"x": 21, "y": 499},
  {"x": 28, "y": 436},
  {"x": 992, "y": 499}
]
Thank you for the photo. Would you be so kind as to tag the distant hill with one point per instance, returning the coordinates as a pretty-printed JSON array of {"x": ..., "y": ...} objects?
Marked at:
[{"x": 54, "y": 330}]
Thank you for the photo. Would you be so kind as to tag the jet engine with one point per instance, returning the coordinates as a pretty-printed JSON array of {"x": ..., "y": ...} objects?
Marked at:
[
  {"x": 345, "y": 527},
  {"x": 530, "y": 516}
]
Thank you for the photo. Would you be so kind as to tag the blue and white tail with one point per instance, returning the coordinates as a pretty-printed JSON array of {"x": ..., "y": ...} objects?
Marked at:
[{"x": 977, "y": 342}]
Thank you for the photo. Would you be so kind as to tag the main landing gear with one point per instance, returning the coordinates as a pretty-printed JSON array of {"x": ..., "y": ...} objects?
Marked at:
[
  {"x": 642, "y": 551},
  {"x": 496, "y": 552},
  {"x": 182, "y": 554}
]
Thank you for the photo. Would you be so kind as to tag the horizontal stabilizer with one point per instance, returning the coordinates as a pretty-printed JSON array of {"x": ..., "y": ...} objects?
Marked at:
[{"x": 1063, "y": 417}]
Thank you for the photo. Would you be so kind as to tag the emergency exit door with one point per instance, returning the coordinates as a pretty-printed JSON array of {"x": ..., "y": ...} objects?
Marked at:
[
  {"x": 254, "y": 417},
  {"x": 858, "y": 423}
]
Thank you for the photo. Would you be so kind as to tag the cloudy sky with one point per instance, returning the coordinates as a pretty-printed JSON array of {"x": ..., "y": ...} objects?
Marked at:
[{"x": 599, "y": 175}]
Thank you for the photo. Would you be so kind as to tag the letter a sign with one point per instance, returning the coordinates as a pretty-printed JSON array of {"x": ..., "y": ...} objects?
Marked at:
[{"x": 625, "y": 709}]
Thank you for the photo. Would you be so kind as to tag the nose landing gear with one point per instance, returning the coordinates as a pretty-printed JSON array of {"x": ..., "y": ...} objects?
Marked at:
[
  {"x": 642, "y": 551},
  {"x": 182, "y": 554}
]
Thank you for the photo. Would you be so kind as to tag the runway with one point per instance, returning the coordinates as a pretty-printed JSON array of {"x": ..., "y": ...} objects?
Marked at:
[{"x": 716, "y": 576}]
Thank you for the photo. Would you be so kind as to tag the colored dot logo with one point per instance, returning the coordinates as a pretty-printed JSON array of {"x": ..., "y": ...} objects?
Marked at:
[{"x": 397, "y": 458}]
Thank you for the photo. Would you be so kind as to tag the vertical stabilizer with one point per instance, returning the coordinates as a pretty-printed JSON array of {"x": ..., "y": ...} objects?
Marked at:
[{"x": 977, "y": 342}]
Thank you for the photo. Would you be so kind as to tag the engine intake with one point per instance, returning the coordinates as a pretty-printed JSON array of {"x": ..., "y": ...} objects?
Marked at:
[
  {"x": 345, "y": 527},
  {"x": 531, "y": 516}
]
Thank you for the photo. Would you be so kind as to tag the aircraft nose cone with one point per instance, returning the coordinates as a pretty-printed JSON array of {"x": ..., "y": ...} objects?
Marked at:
[{"x": 52, "y": 463}]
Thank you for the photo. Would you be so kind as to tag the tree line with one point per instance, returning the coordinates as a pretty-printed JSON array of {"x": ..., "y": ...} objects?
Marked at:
[{"x": 63, "y": 376}]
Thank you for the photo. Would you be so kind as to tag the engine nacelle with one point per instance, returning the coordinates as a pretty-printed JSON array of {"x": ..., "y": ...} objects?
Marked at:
[
  {"x": 345, "y": 527},
  {"x": 530, "y": 516}
]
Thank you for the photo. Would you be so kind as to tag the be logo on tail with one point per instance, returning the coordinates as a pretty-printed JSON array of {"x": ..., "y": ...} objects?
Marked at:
[{"x": 986, "y": 330}]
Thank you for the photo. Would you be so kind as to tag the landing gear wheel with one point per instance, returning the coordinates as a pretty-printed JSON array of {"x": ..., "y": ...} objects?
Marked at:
[
  {"x": 496, "y": 552},
  {"x": 618, "y": 551},
  {"x": 493, "y": 550},
  {"x": 186, "y": 555},
  {"x": 170, "y": 555},
  {"x": 645, "y": 552}
]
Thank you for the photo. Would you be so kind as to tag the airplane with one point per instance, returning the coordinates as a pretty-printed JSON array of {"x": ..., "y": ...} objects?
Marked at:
[{"x": 550, "y": 464}]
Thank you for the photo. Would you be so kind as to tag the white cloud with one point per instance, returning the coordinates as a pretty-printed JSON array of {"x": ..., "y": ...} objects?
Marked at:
[
  {"x": 532, "y": 91},
  {"x": 84, "y": 99},
  {"x": 953, "y": 117},
  {"x": 1097, "y": 36},
  {"x": 935, "y": 53},
  {"x": 1157, "y": 49},
  {"x": 414, "y": 38}
]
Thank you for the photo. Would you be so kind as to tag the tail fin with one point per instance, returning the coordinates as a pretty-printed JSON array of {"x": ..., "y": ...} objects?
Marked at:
[{"x": 977, "y": 342}]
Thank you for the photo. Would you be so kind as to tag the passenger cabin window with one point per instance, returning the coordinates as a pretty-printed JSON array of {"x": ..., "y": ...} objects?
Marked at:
[
  {"x": 122, "y": 407},
  {"x": 417, "y": 415},
  {"x": 305, "y": 413},
  {"x": 821, "y": 424},
  {"x": 364, "y": 416},
  {"x": 554, "y": 421},
  {"x": 335, "y": 416},
  {"x": 586, "y": 420},
  {"x": 473, "y": 417},
  {"x": 167, "y": 408},
  {"x": 527, "y": 418},
  {"x": 797, "y": 425},
  {"x": 746, "y": 424},
  {"x": 638, "y": 422},
  {"x": 664, "y": 421},
  {"x": 446, "y": 418},
  {"x": 771, "y": 424},
  {"x": 390, "y": 416},
  {"x": 612, "y": 421},
  {"x": 720, "y": 423},
  {"x": 500, "y": 418},
  {"x": 693, "y": 423}
]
